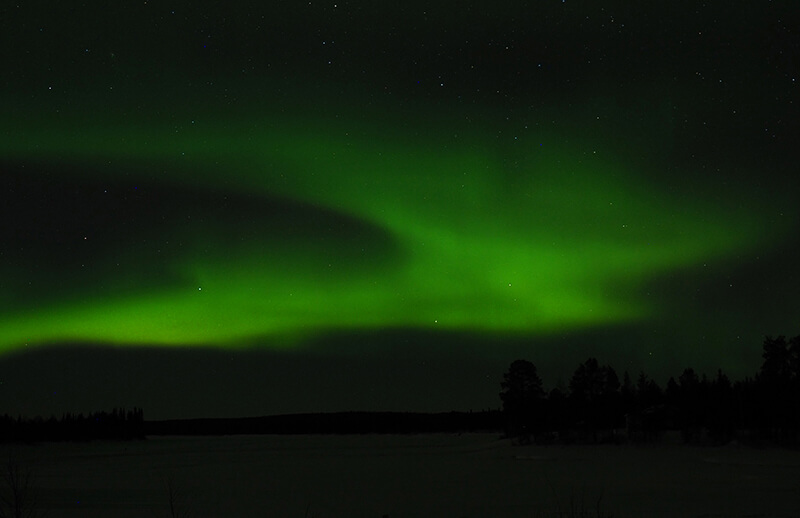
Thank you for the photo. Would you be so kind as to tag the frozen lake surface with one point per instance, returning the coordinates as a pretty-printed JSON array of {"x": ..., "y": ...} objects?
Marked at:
[{"x": 371, "y": 476}]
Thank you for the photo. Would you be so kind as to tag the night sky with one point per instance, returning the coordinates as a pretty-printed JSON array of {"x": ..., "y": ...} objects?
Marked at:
[{"x": 246, "y": 208}]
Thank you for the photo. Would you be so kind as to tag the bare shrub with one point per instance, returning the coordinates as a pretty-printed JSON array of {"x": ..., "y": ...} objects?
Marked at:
[{"x": 18, "y": 495}]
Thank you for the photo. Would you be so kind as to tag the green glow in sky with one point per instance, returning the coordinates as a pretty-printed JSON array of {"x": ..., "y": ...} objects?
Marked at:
[{"x": 533, "y": 236}]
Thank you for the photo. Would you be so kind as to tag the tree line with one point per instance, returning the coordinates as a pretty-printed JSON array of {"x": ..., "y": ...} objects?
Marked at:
[
  {"x": 596, "y": 406},
  {"x": 599, "y": 407},
  {"x": 119, "y": 424}
]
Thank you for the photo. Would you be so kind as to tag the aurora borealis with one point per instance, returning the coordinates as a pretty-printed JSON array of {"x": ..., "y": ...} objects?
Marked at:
[
  {"x": 275, "y": 178},
  {"x": 404, "y": 229}
]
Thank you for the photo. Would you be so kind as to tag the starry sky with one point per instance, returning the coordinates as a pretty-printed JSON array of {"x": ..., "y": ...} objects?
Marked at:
[{"x": 244, "y": 208}]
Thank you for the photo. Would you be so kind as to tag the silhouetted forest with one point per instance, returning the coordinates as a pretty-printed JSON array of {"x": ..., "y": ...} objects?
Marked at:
[
  {"x": 119, "y": 424},
  {"x": 598, "y": 407}
]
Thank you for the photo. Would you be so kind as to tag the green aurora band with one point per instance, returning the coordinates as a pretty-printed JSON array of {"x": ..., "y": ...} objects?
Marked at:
[{"x": 535, "y": 237}]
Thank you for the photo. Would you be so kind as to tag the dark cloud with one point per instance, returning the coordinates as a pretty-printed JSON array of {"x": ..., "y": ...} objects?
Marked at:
[{"x": 81, "y": 229}]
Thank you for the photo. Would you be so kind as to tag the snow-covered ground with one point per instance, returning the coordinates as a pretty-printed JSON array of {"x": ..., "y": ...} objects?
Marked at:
[{"x": 371, "y": 476}]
